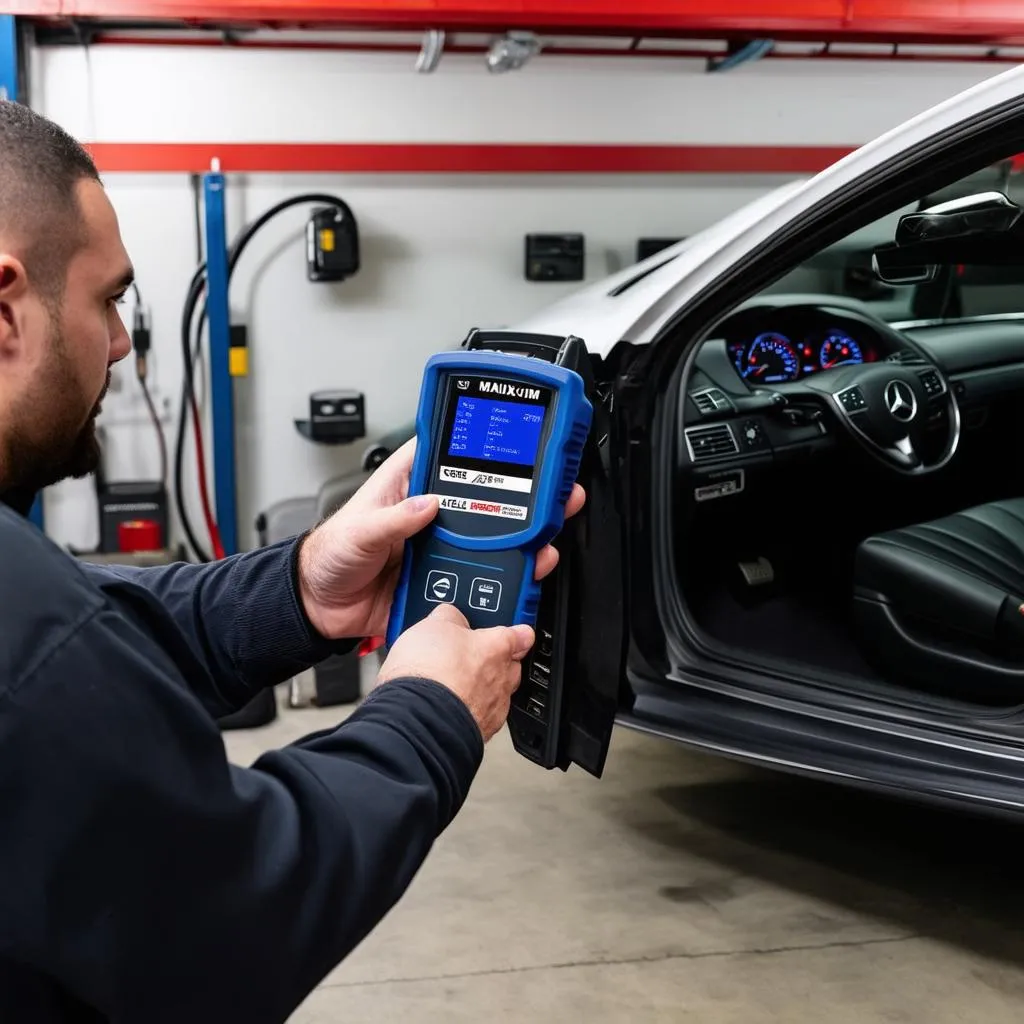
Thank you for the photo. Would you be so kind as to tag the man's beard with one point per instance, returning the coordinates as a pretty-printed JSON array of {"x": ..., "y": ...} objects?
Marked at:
[{"x": 48, "y": 443}]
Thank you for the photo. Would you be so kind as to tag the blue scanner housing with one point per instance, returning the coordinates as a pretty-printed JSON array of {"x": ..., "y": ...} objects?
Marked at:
[{"x": 499, "y": 438}]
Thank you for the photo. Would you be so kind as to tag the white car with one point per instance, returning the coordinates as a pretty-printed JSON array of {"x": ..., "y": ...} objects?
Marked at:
[{"x": 804, "y": 541}]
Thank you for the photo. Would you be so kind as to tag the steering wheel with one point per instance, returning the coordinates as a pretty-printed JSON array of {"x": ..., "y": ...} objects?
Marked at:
[{"x": 890, "y": 408}]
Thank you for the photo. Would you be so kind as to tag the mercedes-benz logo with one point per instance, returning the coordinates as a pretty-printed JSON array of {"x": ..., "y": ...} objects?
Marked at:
[{"x": 900, "y": 400}]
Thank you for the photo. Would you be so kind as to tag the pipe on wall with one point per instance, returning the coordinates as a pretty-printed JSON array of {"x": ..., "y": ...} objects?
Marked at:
[{"x": 823, "y": 52}]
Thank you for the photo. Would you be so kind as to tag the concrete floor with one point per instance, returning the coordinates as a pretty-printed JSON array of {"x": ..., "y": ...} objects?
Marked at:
[{"x": 686, "y": 888}]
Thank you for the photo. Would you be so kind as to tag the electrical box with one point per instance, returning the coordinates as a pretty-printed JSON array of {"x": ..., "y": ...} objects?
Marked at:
[
  {"x": 646, "y": 247},
  {"x": 335, "y": 417},
  {"x": 132, "y": 503},
  {"x": 332, "y": 244},
  {"x": 555, "y": 257}
]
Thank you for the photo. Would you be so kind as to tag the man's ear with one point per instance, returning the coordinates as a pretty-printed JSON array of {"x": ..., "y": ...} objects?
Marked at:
[{"x": 13, "y": 288}]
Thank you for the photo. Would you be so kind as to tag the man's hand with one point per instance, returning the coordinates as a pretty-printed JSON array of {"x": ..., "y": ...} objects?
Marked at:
[
  {"x": 482, "y": 667},
  {"x": 349, "y": 565}
]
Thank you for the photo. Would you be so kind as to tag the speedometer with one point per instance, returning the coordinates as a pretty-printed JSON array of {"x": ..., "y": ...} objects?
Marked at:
[
  {"x": 837, "y": 349},
  {"x": 771, "y": 358}
]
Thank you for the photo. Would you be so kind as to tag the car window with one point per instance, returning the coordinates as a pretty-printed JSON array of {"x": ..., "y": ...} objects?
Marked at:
[{"x": 958, "y": 291}]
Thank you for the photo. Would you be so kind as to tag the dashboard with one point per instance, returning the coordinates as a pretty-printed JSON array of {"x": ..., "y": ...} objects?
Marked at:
[
  {"x": 783, "y": 345},
  {"x": 744, "y": 414}
]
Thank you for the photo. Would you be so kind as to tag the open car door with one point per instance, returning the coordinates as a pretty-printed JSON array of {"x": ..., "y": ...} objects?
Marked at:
[{"x": 564, "y": 710}]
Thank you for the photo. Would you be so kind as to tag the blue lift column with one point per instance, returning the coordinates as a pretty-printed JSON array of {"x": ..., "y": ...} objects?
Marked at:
[
  {"x": 222, "y": 397},
  {"x": 9, "y": 91},
  {"x": 8, "y": 57}
]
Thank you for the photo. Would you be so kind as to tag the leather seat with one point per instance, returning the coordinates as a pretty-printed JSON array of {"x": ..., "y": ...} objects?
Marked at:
[{"x": 940, "y": 605}]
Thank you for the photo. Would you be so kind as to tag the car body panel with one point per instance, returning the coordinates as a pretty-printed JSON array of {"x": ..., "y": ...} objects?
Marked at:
[{"x": 859, "y": 750}]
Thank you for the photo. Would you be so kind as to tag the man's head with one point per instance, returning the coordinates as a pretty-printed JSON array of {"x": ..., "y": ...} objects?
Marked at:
[{"x": 63, "y": 267}]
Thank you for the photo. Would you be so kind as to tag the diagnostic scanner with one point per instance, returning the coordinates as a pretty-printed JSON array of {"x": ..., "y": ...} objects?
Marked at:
[{"x": 499, "y": 440}]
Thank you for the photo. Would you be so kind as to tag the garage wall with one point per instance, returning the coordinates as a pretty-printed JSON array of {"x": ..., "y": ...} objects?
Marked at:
[{"x": 441, "y": 254}]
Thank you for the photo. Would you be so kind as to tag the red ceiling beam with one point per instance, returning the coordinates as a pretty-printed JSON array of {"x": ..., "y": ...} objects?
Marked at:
[{"x": 923, "y": 21}]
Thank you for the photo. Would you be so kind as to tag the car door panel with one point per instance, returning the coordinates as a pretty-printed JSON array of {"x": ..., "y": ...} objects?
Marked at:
[{"x": 565, "y": 708}]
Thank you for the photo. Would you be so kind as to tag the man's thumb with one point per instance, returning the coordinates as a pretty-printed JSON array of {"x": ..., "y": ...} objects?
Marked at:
[{"x": 401, "y": 521}]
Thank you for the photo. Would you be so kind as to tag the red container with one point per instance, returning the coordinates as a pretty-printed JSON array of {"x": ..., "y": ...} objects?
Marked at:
[{"x": 139, "y": 535}]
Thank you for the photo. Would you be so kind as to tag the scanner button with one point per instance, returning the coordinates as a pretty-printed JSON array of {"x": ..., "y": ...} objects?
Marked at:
[
  {"x": 535, "y": 708},
  {"x": 485, "y": 595},
  {"x": 441, "y": 587}
]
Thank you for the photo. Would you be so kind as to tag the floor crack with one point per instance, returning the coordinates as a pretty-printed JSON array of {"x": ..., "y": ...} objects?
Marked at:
[{"x": 661, "y": 958}]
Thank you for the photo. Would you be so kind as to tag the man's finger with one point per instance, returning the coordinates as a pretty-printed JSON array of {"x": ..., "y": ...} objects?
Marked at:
[
  {"x": 547, "y": 562},
  {"x": 523, "y": 638},
  {"x": 380, "y": 528},
  {"x": 576, "y": 501},
  {"x": 514, "y": 641},
  {"x": 449, "y": 613}
]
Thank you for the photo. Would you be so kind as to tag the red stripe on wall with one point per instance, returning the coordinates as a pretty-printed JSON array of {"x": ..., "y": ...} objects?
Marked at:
[{"x": 457, "y": 158}]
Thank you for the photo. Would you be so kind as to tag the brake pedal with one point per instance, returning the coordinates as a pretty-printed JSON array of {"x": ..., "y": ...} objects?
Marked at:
[
  {"x": 754, "y": 581},
  {"x": 760, "y": 573}
]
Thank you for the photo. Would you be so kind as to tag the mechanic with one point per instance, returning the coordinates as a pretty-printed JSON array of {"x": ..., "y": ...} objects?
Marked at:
[{"x": 142, "y": 877}]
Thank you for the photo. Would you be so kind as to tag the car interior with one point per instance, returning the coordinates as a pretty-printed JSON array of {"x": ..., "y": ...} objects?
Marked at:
[{"x": 851, "y": 496}]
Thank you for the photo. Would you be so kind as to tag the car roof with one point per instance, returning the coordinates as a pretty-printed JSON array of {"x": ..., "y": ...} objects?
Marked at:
[{"x": 633, "y": 303}]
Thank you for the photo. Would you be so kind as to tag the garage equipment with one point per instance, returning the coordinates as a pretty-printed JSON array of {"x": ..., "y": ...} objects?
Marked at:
[
  {"x": 335, "y": 417},
  {"x": 332, "y": 244},
  {"x": 332, "y": 254},
  {"x": 500, "y": 436},
  {"x": 555, "y": 257}
]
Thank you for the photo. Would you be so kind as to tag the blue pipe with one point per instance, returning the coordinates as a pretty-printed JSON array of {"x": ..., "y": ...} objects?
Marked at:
[
  {"x": 8, "y": 57},
  {"x": 754, "y": 50},
  {"x": 221, "y": 384}
]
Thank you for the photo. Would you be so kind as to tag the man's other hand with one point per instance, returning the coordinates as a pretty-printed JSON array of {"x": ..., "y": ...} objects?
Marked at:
[
  {"x": 482, "y": 667},
  {"x": 349, "y": 565}
]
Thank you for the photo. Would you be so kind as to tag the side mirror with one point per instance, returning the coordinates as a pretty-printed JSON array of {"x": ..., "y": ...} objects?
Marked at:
[{"x": 982, "y": 213}]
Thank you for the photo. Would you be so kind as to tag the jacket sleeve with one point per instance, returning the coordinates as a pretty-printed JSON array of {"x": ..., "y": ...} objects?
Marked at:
[
  {"x": 241, "y": 616},
  {"x": 158, "y": 883}
]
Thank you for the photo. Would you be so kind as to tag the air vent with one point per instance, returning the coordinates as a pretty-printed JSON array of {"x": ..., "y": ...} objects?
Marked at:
[
  {"x": 905, "y": 358},
  {"x": 715, "y": 442},
  {"x": 710, "y": 401}
]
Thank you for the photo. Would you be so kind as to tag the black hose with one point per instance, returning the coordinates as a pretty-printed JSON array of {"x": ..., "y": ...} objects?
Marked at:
[
  {"x": 198, "y": 214},
  {"x": 195, "y": 289},
  {"x": 155, "y": 417}
]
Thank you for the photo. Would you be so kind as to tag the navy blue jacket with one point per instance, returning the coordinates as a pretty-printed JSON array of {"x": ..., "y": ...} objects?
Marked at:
[{"x": 144, "y": 879}]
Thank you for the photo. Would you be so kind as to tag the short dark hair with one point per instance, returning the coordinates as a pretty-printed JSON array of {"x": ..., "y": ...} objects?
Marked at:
[{"x": 40, "y": 165}]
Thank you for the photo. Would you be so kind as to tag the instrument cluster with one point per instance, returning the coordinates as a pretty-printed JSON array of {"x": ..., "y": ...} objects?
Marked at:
[{"x": 775, "y": 358}]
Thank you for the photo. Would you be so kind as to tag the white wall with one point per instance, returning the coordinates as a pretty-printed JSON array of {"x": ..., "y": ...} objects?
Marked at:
[{"x": 441, "y": 254}]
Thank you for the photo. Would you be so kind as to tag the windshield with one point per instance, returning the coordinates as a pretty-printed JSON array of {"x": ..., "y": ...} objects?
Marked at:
[{"x": 957, "y": 291}]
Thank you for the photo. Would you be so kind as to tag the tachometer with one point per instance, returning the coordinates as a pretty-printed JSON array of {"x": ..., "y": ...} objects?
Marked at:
[
  {"x": 839, "y": 349},
  {"x": 771, "y": 358}
]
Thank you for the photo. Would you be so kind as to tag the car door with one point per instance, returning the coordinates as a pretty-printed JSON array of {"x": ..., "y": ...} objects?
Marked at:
[
  {"x": 565, "y": 708},
  {"x": 706, "y": 282}
]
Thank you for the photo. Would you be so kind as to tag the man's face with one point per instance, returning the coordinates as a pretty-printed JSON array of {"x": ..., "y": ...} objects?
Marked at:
[{"x": 59, "y": 359}]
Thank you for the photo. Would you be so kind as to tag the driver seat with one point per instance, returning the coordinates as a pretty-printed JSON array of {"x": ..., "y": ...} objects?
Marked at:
[{"x": 940, "y": 605}]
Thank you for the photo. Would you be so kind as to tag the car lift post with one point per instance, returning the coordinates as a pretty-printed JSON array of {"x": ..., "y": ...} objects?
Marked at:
[
  {"x": 221, "y": 385},
  {"x": 9, "y": 91}
]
